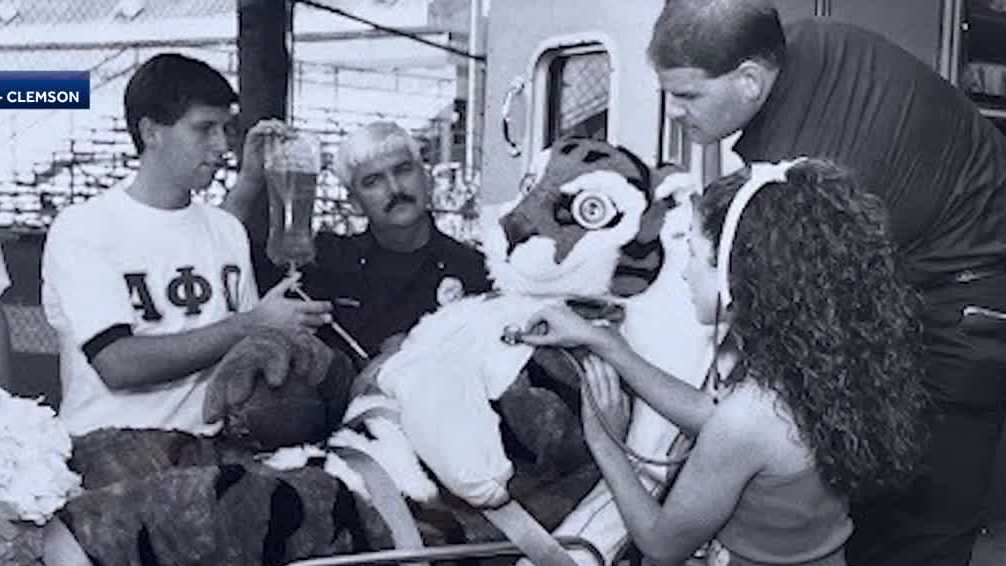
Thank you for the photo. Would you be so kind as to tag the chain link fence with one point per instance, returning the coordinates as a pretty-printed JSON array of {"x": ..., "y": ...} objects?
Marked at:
[
  {"x": 51, "y": 159},
  {"x": 57, "y": 158},
  {"x": 352, "y": 76},
  {"x": 585, "y": 89}
]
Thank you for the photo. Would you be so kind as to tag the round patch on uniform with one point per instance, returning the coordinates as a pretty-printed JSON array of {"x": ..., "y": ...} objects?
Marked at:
[
  {"x": 450, "y": 290},
  {"x": 718, "y": 555}
]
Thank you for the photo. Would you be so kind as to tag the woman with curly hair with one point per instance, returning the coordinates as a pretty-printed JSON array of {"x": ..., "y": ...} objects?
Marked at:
[{"x": 822, "y": 405}]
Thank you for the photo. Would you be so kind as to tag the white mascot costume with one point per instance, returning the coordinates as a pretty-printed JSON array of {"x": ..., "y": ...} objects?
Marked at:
[{"x": 589, "y": 226}]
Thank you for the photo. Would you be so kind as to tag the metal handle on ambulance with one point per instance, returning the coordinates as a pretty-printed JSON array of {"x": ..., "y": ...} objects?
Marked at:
[{"x": 517, "y": 85}]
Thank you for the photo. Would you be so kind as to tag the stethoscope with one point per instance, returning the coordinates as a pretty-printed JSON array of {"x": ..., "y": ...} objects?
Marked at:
[{"x": 761, "y": 174}]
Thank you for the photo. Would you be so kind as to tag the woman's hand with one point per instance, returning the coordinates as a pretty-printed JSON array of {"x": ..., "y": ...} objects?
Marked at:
[
  {"x": 559, "y": 326},
  {"x": 609, "y": 403}
]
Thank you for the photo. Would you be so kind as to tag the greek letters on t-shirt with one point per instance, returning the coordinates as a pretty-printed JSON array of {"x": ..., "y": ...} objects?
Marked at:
[
  {"x": 231, "y": 276},
  {"x": 188, "y": 290},
  {"x": 139, "y": 296}
]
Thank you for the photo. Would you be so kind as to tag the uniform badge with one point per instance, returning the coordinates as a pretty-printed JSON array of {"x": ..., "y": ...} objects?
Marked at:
[
  {"x": 450, "y": 290},
  {"x": 718, "y": 555}
]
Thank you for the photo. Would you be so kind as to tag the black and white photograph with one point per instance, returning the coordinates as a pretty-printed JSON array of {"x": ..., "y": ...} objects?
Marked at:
[{"x": 502, "y": 282}]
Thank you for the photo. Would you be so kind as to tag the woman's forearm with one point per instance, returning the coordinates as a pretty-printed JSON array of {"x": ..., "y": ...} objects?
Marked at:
[
  {"x": 640, "y": 511},
  {"x": 673, "y": 398}
]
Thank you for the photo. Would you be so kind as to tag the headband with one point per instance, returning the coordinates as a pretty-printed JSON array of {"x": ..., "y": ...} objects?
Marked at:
[{"x": 761, "y": 175}]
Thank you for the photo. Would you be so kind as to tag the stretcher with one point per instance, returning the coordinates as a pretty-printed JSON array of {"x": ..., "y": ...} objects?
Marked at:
[{"x": 447, "y": 552}]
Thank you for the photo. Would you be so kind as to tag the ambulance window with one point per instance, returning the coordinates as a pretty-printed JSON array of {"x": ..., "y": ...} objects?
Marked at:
[
  {"x": 672, "y": 145},
  {"x": 578, "y": 93}
]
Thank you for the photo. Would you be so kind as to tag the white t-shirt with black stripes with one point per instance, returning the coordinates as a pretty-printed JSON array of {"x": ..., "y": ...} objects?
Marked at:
[{"x": 113, "y": 264}]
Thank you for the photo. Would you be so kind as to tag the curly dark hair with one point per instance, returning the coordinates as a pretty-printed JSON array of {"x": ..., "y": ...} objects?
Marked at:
[{"x": 825, "y": 319}]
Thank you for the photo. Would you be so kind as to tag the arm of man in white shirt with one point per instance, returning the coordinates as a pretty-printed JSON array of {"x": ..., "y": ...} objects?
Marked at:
[{"x": 137, "y": 361}]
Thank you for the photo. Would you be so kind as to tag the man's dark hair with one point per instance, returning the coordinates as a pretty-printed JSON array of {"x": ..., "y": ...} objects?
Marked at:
[
  {"x": 166, "y": 86},
  {"x": 717, "y": 35}
]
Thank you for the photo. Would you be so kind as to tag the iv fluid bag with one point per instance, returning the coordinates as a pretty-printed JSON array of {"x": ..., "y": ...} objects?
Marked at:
[{"x": 291, "y": 172}]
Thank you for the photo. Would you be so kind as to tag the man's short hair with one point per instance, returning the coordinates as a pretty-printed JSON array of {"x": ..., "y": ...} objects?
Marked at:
[
  {"x": 370, "y": 141},
  {"x": 717, "y": 35},
  {"x": 166, "y": 86}
]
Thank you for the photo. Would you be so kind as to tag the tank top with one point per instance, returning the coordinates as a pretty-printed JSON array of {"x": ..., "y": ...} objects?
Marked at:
[{"x": 788, "y": 519}]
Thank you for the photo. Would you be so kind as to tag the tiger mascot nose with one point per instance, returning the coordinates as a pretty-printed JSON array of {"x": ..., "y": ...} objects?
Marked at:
[{"x": 518, "y": 229}]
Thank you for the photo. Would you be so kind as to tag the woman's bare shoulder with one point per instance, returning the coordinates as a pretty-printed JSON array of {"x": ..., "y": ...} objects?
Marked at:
[{"x": 758, "y": 420}]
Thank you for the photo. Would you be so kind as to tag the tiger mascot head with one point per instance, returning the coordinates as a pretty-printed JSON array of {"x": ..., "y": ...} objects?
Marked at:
[{"x": 586, "y": 223}]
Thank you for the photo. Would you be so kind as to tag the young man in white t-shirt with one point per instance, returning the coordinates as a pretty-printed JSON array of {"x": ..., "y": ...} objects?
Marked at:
[{"x": 146, "y": 288}]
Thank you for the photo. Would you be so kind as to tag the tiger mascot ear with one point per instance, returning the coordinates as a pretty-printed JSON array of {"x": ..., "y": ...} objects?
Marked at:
[{"x": 641, "y": 259}]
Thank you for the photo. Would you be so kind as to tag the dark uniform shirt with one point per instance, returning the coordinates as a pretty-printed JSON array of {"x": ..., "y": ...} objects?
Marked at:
[
  {"x": 915, "y": 140},
  {"x": 376, "y": 292}
]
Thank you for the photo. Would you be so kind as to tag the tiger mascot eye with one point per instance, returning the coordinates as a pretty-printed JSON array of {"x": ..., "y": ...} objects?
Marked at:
[{"x": 587, "y": 230}]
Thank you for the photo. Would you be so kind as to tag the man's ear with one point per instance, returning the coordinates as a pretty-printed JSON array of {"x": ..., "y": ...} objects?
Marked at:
[
  {"x": 150, "y": 132},
  {"x": 354, "y": 203},
  {"x": 754, "y": 79}
]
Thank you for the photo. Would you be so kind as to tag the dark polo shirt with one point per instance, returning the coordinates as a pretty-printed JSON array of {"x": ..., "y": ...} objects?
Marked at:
[
  {"x": 913, "y": 138},
  {"x": 377, "y": 292}
]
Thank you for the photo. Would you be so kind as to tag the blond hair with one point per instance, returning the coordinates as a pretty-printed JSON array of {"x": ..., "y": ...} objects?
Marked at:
[{"x": 370, "y": 141}]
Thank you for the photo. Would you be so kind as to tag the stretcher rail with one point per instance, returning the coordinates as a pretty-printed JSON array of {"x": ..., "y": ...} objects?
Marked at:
[{"x": 445, "y": 552}]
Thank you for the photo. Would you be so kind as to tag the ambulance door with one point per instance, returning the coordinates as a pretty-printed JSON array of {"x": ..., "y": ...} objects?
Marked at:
[
  {"x": 915, "y": 25},
  {"x": 572, "y": 67}
]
